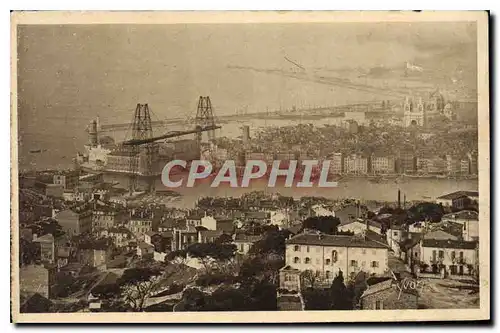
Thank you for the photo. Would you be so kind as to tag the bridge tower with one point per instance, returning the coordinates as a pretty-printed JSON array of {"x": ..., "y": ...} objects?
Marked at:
[
  {"x": 205, "y": 117},
  {"x": 141, "y": 129}
]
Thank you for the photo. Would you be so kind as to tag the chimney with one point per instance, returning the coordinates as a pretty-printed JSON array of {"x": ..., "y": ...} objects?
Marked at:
[
  {"x": 399, "y": 198},
  {"x": 404, "y": 201}
]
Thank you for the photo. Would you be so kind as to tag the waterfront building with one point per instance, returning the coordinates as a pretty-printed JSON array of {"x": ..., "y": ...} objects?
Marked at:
[
  {"x": 336, "y": 164},
  {"x": 356, "y": 164},
  {"x": 427, "y": 164},
  {"x": 382, "y": 164},
  {"x": 459, "y": 199}
]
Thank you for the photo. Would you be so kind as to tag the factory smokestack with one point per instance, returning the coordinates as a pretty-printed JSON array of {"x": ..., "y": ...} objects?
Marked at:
[
  {"x": 246, "y": 134},
  {"x": 399, "y": 198}
]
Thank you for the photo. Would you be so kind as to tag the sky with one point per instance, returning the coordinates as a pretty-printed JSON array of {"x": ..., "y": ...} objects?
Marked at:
[{"x": 72, "y": 73}]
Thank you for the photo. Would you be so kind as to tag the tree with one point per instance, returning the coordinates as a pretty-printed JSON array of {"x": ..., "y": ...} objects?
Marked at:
[
  {"x": 272, "y": 243},
  {"x": 325, "y": 224},
  {"x": 192, "y": 300},
  {"x": 29, "y": 252},
  {"x": 178, "y": 256},
  {"x": 341, "y": 298},
  {"x": 224, "y": 239},
  {"x": 137, "y": 285},
  {"x": 207, "y": 253},
  {"x": 426, "y": 211},
  {"x": 310, "y": 278}
]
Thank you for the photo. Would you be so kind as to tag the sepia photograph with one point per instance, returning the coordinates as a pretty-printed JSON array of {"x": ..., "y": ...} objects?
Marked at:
[{"x": 250, "y": 167}]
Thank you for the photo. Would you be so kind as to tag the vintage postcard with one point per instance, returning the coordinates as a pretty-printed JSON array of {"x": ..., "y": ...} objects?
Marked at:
[{"x": 250, "y": 167}]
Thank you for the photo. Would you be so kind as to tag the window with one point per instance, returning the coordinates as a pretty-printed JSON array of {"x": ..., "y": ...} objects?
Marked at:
[
  {"x": 441, "y": 254},
  {"x": 296, "y": 248},
  {"x": 395, "y": 233},
  {"x": 296, "y": 260},
  {"x": 465, "y": 227},
  {"x": 334, "y": 256},
  {"x": 363, "y": 251},
  {"x": 307, "y": 260},
  {"x": 327, "y": 262},
  {"x": 307, "y": 249},
  {"x": 374, "y": 264},
  {"x": 378, "y": 305},
  {"x": 328, "y": 274},
  {"x": 452, "y": 255},
  {"x": 354, "y": 263}
]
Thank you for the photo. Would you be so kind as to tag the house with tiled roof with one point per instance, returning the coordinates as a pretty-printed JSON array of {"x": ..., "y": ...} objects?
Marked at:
[
  {"x": 459, "y": 199},
  {"x": 447, "y": 256},
  {"x": 390, "y": 295},
  {"x": 244, "y": 242},
  {"x": 328, "y": 254},
  {"x": 469, "y": 221},
  {"x": 359, "y": 226}
]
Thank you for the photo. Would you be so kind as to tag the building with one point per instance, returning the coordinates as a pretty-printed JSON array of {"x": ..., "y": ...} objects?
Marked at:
[
  {"x": 431, "y": 165},
  {"x": 356, "y": 164},
  {"x": 76, "y": 220},
  {"x": 47, "y": 248},
  {"x": 473, "y": 163},
  {"x": 336, "y": 164},
  {"x": 209, "y": 222},
  {"x": 447, "y": 257},
  {"x": 351, "y": 125},
  {"x": 454, "y": 165},
  {"x": 390, "y": 295},
  {"x": 68, "y": 179},
  {"x": 209, "y": 236},
  {"x": 407, "y": 162},
  {"x": 245, "y": 242},
  {"x": 469, "y": 220},
  {"x": 93, "y": 257},
  {"x": 194, "y": 220},
  {"x": 421, "y": 112},
  {"x": 39, "y": 279},
  {"x": 183, "y": 238},
  {"x": 105, "y": 217},
  {"x": 140, "y": 223},
  {"x": 121, "y": 236},
  {"x": 414, "y": 112},
  {"x": 326, "y": 255},
  {"x": 145, "y": 250},
  {"x": 321, "y": 210},
  {"x": 382, "y": 164},
  {"x": 394, "y": 237},
  {"x": 258, "y": 217},
  {"x": 359, "y": 226},
  {"x": 50, "y": 190},
  {"x": 459, "y": 199}
]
